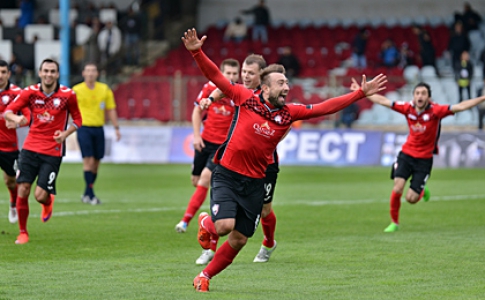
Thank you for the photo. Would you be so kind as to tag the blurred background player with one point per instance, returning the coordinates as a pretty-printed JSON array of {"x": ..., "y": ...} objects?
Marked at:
[
  {"x": 216, "y": 125},
  {"x": 9, "y": 148},
  {"x": 44, "y": 146},
  {"x": 415, "y": 160},
  {"x": 94, "y": 99}
]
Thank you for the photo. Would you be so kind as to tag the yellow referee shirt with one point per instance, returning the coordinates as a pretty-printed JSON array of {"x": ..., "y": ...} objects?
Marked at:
[{"x": 93, "y": 102}]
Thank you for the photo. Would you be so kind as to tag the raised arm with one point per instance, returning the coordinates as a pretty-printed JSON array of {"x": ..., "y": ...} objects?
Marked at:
[
  {"x": 208, "y": 68},
  {"x": 464, "y": 105},
  {"x": 376, "y": 98}
]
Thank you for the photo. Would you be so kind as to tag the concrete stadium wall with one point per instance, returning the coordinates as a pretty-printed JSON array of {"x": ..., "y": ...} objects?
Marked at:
[{"x": 211, "y": 11}]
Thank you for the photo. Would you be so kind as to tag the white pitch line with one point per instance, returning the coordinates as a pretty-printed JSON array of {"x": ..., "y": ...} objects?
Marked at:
[{"x": 276, "y": 202}]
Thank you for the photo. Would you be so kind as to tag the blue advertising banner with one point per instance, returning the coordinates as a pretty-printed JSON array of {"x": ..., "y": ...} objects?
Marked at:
[{"x": 181, "y": 148}]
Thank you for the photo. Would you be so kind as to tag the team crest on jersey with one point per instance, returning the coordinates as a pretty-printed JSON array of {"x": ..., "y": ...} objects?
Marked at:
[
  {"x": 278, "y": 119},
  {"x": 45, "y": 117},
  {"x": 426, "y": 117},
  {"x": 215, "y": 209},
  {"x": 57, "y": 102},
  {"x": 418, "y": 128},
  {"x": 263, "y": 129},
  {"x": 5, "y": 99}
]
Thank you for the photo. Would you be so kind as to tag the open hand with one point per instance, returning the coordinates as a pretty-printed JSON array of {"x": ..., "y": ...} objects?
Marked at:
[
  {"x": 354, "y": 86},
  {"x": 374, "y": 86},
  {"x": 191, "y": 41}
]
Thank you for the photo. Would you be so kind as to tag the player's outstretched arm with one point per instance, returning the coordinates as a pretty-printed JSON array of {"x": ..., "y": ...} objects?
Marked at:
[
  {"x": 375, "y": 98},
  {"x": 464, "y": 105}
]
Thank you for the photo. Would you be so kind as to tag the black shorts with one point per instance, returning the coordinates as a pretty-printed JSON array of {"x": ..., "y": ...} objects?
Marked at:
[
  {"x": 91, "y": 141},
  {"x": 8, "y": 162},
  {"x": 407, "y": 166},
  {"x": 269, "y": 185},
  {"x": 235, "y": 196},
  {"x": 204, "y": 158},
  {"x": 45, "y": 167}
]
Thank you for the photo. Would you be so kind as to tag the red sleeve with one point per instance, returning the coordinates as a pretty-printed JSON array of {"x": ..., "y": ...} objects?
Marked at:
[
  {"x": 74, "y": 110},
  {"x": 21, "y": 101},
  {"x": 205, "y": 92},
  {"x": 443, "y": 110},
  {"x": 327, "y": 107},
  {"x": 236, "y": 92},
  {"x": 27, "y": 114},
  {"x": 400, "y": 107}
]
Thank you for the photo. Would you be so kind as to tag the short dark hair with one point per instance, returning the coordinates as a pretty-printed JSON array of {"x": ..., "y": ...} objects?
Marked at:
[
  {"x": 229, "y": 62},
  {"x": 3, "y": 63},
  {"x": 273, "y": 68},
  {"x": 256, "y": 59},
  {"x": 90, "y": 63},
  {"x": 423, "y": 84},
  {"x": 49, "y": 60}
]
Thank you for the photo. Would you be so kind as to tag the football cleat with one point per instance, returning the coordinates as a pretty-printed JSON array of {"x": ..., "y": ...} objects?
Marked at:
[
  {"x": 426, "y": 194},
  {"x": 205, "y": 257},
  {"x": 22, "y": 238},
  {"x": 12, "y": 215},
  {"x": 203, "y": 236},
  {"x": 181, "y": 227},
  {"x": 85, "y": 199},
  {"x": 264, "y": 253},
  {"x": 201, "y": 283},
  {"x": 95, "y": 201},
  {"x": 393, "y": 227},
  {"x": 47, "y": 210}
]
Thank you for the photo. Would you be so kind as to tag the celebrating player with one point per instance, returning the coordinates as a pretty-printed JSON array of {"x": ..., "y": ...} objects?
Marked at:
[
  {"x": 260, "y": 122},
  {"x": 415, "y": 160}
]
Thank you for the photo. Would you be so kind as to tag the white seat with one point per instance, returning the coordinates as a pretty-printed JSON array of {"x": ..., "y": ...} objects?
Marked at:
[
  {"x": 6, "y": 50},
  {"x": 1, "y": 32},
  {"x": 83, "y": 32},
  {"x": 366, "y": 117},
  {"x": 9, "y": 17},
  {"x": 411, "y": 74},
  {"x": 55, "y": 16},
  {"x": 391, "y": 21},
  {"x": 466, "y": 117},
  {"x": 108, "y": 15},
  {"x": 46, "y": 49},
  {"x": 393, "y": 96},
  {"x": 405, "y": 21},
  {"x": 42, "y": 31},
  {"x": 420, "y": 20},
  {"x": 428, "y": 72}
]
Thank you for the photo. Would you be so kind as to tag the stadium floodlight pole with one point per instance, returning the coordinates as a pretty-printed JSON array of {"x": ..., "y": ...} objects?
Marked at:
[{"x": 65, "y": 49}]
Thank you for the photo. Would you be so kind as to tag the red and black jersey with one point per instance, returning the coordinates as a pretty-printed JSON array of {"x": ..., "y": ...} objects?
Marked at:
[
  {"x": 424, "y": 128},
  {"x": 257, "y": 127},
  {"x": 8, "y": 137},
  {"x": 50, "y": 113},
  {"x": 219, "y": 116}
]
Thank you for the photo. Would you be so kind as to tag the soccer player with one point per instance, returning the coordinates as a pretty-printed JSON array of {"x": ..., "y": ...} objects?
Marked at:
[
  {"x": 94, "y": 98},
  {"x": 415, "y": 160},
  {"x": 260, "y": 122},
  {"x": 216, "y": 125},
  {"x": 44, "y": 146},
  {"x": 252, "y": 67},
  {"x": 9, "y": 150}
]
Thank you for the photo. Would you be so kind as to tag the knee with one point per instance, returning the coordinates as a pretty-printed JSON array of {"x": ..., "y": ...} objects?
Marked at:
[
  {"x": 10, "y": 182},
  {"x": 412, "y": 199},
  {"x": 223, "y": 229},
  {"x": 266, "y": 211}
]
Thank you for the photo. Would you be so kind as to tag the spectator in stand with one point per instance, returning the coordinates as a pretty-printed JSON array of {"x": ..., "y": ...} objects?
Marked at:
[
  {"x": 427, "y": 53},
  {"x": 261, "y": 21},
  {"x": 470, "y": 18},
  {"x": 348, "y": 115},
  {"x": 389, "y": 54},
  {"x": 17, "y": 71},
  {"x": 482, "y": 60},
  {"x": 458, "y": 43},
  {"x": 26, "y": 12},
  {"x": 359, "y": 45},
  {"x": 236, "y": 31},
  {"x": 406, "y": 56},
  {"x": 131, "y": 27},
  {"x": 464, "y": 74},
  {"x": 109, "y": 43},
  {"x": 290, "y": 62}
]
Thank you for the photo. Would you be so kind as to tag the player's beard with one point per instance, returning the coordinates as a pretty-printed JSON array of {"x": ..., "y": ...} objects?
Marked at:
[{"x": 273, "y": 99}]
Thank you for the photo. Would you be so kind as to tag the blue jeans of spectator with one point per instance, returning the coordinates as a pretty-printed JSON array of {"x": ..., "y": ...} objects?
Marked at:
[
  {"x": 260, "y": 32},
  {"x": 359, "y": 61},
  {"x": 132, "y": 48}
]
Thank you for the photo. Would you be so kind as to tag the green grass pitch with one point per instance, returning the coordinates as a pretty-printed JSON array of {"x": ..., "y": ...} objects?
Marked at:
[{"x": 330, "y": 237}]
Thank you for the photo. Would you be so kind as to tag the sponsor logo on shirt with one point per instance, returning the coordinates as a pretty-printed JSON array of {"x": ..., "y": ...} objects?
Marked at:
[
  {"x": 418, "y": 128},
  {"x": 263, "y": 129},
  {"x": 45, "y": 117},
  {"x": 412, "y": 117},
  {"x": 39, "y": 102},
  {"x": 221, "y": 111}
]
